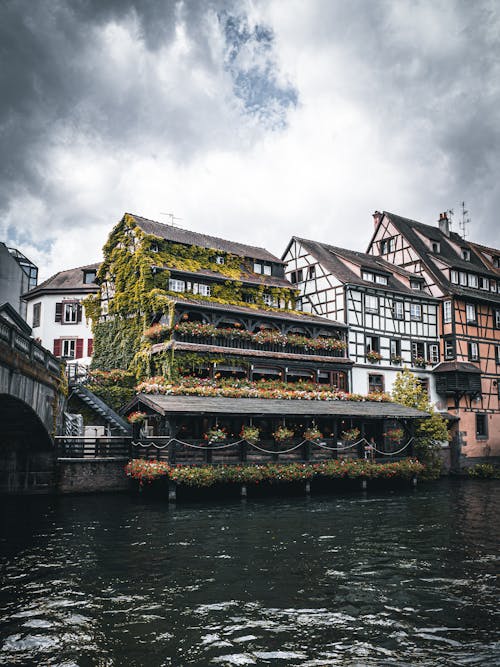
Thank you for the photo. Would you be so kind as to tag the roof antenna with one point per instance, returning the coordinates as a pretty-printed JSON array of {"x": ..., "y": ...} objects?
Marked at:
[
  {"x": 172, "y": 218},
  {"x": 450, "y": 213},
  {"x": 464, "y": 221}
]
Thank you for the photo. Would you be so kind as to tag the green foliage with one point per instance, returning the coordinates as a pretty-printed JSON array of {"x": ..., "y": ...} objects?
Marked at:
[
  {"x": 429, "y": 433},
  {"x": 116, "y": 397},
  {"x": 116, "y": 342},
  {"x": 484, "y": 471}
]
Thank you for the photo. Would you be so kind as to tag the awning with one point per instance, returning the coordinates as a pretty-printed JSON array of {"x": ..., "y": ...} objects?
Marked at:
[{"x": 219, "y": 405}]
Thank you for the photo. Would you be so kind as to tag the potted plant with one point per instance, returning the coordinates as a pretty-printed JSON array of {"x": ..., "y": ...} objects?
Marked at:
[
  {"x": 351, "y": 434},
  {"x": 419, "y": 362},
  {"x": 283, "y": 434},
  {"x": 250, "y": 433},
  {"x": 373, "y": 356},
  {"x": 136, "y": 417},
  {"x": 396, "y": 359},
  {"x": 215, "y": 434},
  {"x": 312, "y": 433},
  {"x": 394, "y": 435}
]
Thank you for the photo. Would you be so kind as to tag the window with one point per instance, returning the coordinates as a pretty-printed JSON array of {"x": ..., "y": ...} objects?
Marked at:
[
  {"x": 154, "y": 247},
  {"x": 415, "y": 284},
  {"x": 201, "y": 288},
  {"x": 395, "y": 350},
  {"x": 472, "y": 280},
  {"x": 433, "y": 355},
  {"x": 366, "y": 275},
  {"x": 484, "y": 283},
  {"x": 375, "y": 383},
  {"x": 496, "y": 263},
  {"x": 447, "y": 312},
  {"x": 89, "y": 277},
  {"x": 387, "y": 245},
  {"x": 473, "y": 350},
  {"x": 497, "y": 354},
  {"x": 493, "y": 286},
  {"x": 470, "y": 312},
  {"x": 267, "y": 269},
  {"x": 415, "y": 311},
  {"x": 435, "y": 247},
  {"x": 398, "y": 310},
  {"x": 68, "y": 348},
  {"x": 312, "y": 272},
  {"x": 37, "y": 309},
  {"x": 454, "y": 277},
  {"x": 261, "y": 267},
  {"x": 466, "y": 254},
  {"x": 372, "y": 343},
  {"x": 270, "y": 300},
  {"x": 71, "y": 313},
  {"x": 496, "y": 318},
  {"x": 219, "y": 259},
  {"x": 175, "y": 285},
  {"x": 381, "y": 280},
  {"x": 463, "y": 278},
  {"x": 371, "y": 303},
  {"x": 417, "y": 352},
  {"x": 481, "y": 425},
  {"x": 449, "y": 348}
]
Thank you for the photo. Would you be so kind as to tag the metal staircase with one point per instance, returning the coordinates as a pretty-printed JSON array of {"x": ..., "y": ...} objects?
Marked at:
[{"x": 77, "y": 377}]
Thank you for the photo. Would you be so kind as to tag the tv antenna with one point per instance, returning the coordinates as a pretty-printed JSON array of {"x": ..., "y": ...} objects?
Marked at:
[
  {"x": 172, "y": 218},
  {"x": 464, "y": 221},
  {"x": 450, "y": 213}
]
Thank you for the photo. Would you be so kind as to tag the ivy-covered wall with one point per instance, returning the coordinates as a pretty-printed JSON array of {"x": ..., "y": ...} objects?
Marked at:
[{"x": 134, "y": 286}]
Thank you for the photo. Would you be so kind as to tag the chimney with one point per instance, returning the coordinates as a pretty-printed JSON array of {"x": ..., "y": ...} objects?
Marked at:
[
  {"x": 444, "y": 224},
  {"x": 377, "y": 217}
]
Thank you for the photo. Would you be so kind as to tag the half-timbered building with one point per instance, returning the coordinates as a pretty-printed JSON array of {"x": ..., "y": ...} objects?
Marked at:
[
  {"x": 465, "y": 277},
  {"x": 392, "y": 318}
]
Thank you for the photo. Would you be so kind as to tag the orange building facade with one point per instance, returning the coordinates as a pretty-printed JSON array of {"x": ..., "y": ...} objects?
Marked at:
[{"x": 465, "y": 277}]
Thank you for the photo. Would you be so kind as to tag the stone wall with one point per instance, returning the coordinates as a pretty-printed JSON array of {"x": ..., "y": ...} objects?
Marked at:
[{"x": 91, "y": 475}]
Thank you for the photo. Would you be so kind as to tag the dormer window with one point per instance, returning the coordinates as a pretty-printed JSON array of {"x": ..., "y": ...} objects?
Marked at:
[
  {"x": 435, "y": 247},
  {"x": 415, "y": 284},
  {"x": 262, "y": 267},
  {"x": 381, "y": 280},
  {"x": 466, "y": 254},
  {"x": 89, "y": 276},
  {"x": 219, "y": 259},
  {"x": 154, "y": 247},
  {"x": 366, "y": 275}
]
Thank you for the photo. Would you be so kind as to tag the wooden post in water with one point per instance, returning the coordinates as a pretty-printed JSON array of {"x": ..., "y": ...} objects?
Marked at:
[
  {"x": 172, "y": 492},
  {"x": 308, "y": 487},
  {"x": 414, "y": 481},
  {"x": 364, "y": 484},
  {"x": 243, "y": 490}
]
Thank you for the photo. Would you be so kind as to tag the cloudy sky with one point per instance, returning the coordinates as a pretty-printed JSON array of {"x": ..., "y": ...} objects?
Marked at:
[{"x": 248, "y": 119}]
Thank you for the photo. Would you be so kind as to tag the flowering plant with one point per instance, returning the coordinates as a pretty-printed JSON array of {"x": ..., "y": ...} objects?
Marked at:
[
  {"x": 250, "y": 433},
  {"x": 373, "y": 356},
  {"x": 156, "y": 332},
  {"x": 283, "y": 433},
  {"x": 136, "y": 417},
  {"x": 420, "y": 362},
  {"x": 312, "y": 433},
  {"x": 215, "y": 434},
  {"x": 396, "y": 359},
  {"x": 394, "y": 434},
  {"x": 351, "y": 434}
]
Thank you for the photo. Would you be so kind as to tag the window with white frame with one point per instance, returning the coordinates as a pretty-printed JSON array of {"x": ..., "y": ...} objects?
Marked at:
[
  {"x": 473, "y": 350},
  {"x": 37, "y": 310},
  {"x": 496, "y": 318},
  {"x": 262, "y": 267},
  {"x": 219, "y": 259},
  {"x": 463, "y": 278},
  {"x": 415, "y": 284},
  {"x": 435, "y": 247},
  {"x": 372, "y": 344},
  {"x": 175, "y": 285},
  {"x": 381, "y": 280},
  {"x": 398, "y": 310},
  {"x": 433, "y": 353},
  {"x": 447, "y": 312},
  {"x": 415, "y": 311},
  {"x": 449, "y": 348},
  {"x": 470, "y": 312},
  {"x": 493, "y": 285},
  {"x": 68, "y": 348},
  {"x": 311, "y": 272},
  {"x": 472, "y": 280},
  {"x": 466, "y": 254},
  {"x": 484, "y": 283},
  {"x": 371, "y": 303},
  {"x": 366, "y": 275},
  {"x": 375, "y": 383},
  {"x": 454, "y": 277},
  {"x": 270, "y": 300},
  {"x": 71, "y": 312},
  {"x": 201, "y": 288},
  {"x": 387, "y": 245}
]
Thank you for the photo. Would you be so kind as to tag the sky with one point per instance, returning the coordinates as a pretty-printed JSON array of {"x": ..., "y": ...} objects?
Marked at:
[{"x": 251, "y": 120}]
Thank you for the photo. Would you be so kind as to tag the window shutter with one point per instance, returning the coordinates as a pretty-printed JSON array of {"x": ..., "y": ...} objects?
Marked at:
[
  {"x": 79, "y": 313},
  {"x": 79, "y": 348},
  {"x": 57, "y": 347},
  {"x": 58, "y": 312},
  {"x": 90, "y": 347}
]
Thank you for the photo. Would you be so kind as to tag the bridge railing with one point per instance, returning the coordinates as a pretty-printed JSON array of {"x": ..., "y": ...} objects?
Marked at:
[
  {"x": 79, "y": 447},
  {"x": 27, "y": 346}
]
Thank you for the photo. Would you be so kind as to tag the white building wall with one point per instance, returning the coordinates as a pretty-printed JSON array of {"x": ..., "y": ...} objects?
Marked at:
[{"x": 49, "y": 330}]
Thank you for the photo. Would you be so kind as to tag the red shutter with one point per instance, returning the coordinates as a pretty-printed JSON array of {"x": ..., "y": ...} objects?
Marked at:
[
  {"x": 90, "y": 347},
  {"x": 79, "y": 348},
  {"x": 57, "y": 347},
  {"x": 58, "y": 312}
]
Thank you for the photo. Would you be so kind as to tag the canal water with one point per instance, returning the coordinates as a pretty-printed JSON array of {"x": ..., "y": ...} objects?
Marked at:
[{"x": 402, "y": 578}]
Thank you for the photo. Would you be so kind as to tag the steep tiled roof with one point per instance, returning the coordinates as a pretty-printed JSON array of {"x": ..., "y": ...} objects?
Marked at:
[
  {"x": 446, "y": 254},
  {"x": 187, "y": 237},
  {"x": 70, "y": 281},
  {"x": 331, "y": 257},
  {"x": 245, "y": 276}
]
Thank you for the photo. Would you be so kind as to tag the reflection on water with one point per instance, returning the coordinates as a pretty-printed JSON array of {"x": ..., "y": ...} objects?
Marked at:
[{"x": 393, "y": 579}]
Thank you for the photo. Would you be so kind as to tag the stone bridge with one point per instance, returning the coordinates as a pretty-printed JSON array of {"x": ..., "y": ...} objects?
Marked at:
[{"x": 31, "y": 408}]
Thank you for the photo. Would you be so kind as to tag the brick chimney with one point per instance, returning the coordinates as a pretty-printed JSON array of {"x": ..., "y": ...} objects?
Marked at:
[
  {"x": 377, "y": 217},
  {"x": 444, "y": 224}
]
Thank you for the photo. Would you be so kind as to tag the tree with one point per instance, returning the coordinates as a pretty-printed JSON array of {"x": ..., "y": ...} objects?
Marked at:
[{"x": 429, "y": 433}]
